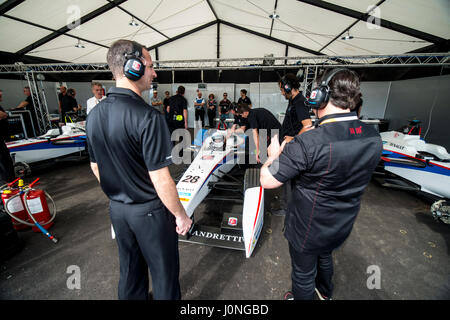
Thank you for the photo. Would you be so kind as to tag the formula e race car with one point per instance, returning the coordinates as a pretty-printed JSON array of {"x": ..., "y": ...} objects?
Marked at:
[
  {"x": 57, "y": 143},
  {"x": 215, "y": 170},
  {"x": 410, "y": 163}
]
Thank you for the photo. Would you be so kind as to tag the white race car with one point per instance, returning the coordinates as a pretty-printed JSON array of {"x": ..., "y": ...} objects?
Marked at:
[
  {"x": 410, "y": 163},
  {"x": 212, "y": 169},
  {"x": 70, "y": 139}
]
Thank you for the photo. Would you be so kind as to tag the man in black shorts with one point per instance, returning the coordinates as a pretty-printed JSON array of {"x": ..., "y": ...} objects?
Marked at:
[{"x": 130, "y": 151}]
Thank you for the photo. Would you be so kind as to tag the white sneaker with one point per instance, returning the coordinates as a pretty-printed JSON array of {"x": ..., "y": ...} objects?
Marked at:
[{"x": 321, "y": 297}]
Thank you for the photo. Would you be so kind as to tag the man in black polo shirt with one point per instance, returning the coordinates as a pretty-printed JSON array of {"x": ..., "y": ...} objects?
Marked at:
[
  {"x": 61, "y": 94},
  {"x": 240, "y": 123},
  {"x": 330, "y": 166},
  {"x": 166, "y": 104},
  {"x": 177, "y": 110},
  {"x": 259, "y": 119},
  {"x": 130, "y": 150},
  {"x": 244, "y": 98},
  {"x": 6, "y": 164},
  {"x": 297, "y": 118},
  {"x": 295, "y": 122}
]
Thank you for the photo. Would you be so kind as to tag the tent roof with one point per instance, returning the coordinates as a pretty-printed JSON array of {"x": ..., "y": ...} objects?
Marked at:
[{"x": 208, "y": 29}]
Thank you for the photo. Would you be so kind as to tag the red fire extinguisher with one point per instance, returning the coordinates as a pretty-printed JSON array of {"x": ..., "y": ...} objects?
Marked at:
[
  {"x": 37, "y": 213},
  {"x": 36, "y": 204},
  {"x": 15, "y": 206}
]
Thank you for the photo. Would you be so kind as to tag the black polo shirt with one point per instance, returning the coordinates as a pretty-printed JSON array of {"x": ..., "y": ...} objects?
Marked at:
[
  {"x": 241, "y": 121},
  {"x": 30, "y": 105},
  {"x": 330, "y": 166},
  {"x": 166, "y": 103},
  {"x": 245, "y": 100},
  {"x": 224, "y": 106},
  {"x": 296, "y": 112},
  {"x": 68, "y": 103},
  {"x": 177, "y": 104},
  {"x": 260, "y": 118},
  {"x": 127, "y": 138}
]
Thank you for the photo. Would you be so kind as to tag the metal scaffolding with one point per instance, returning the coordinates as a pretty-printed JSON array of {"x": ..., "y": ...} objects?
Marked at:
[
  {"x": 39, "y": 101},
  {"x": 366, "y": 61}
]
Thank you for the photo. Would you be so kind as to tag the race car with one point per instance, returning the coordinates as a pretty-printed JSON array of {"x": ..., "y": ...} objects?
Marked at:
[
  {"x": 410, "y": 163},
  {"x": 56, "y": 143},
  {"x": 216, "y": 166}
]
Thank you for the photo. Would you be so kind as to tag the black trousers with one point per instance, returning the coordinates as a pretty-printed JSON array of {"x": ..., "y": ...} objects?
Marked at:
[
  {"x": 6, "y": 164},
  {"x": 311, "y": 271},
  {"x": 211, "y": 116},
  {"x": 200, "y": 114},
  {"x": 146, "y": 238}
]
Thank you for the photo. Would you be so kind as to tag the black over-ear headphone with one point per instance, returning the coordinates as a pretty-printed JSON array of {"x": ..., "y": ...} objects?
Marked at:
[
  {"x": 287, "y": 84},
  {"x": 134, "y": 67},
  {"x": 321, "y": 94}
]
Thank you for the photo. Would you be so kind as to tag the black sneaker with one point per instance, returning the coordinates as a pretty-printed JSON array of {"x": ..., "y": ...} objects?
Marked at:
[
  {"x": 288, "y": 296},
  {"x": 279, "y": 212},
  {"x": 321, "y": 296}
]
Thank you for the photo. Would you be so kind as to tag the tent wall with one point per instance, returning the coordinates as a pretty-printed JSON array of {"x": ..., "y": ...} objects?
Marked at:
[
  {"x": 409, "y": 99},
  {"x": 398, "y": 101},
  {"x": 13, "y": 93}
]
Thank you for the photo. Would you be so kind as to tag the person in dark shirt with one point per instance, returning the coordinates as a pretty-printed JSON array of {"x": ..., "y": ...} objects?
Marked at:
[
  {"x": 69, "y": 103},
  {"x": 211, "y": 107},
  {"x": 166, "y": 104},
  {"x": 177, "y": 109},
  {"x": 244, "y": 98},
  {"x": 224, "y": 104},
  {"x": 62, "y": 93},
  {"x": 259, "y": 119},
  {"x": 28, "y": 105},
  {"x": 330, "y": 165},
  {"x": 6, "y": 164},
  {"x": 295, "y": 122},
  {"x": 358, "y": 107},
  {"x": 130, "y": 150},
  {"x": 240, "y": 123},
  {"x": 297, "y": 118}
]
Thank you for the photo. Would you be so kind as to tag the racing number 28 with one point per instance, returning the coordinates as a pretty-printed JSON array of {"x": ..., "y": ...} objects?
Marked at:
[{"x": 191, "y": 179}]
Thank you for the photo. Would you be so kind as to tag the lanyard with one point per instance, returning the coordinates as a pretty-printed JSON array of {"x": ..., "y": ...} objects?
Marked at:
[{"x": 338, "y": 119}]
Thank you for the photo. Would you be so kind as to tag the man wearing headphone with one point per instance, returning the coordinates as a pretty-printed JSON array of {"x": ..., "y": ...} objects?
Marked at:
[
  {"x": 130, "y": 151},
  {"x": 296, "y": 121},
  {"x": 330, "y": 166},
  {"x": 297, "y": 118}
]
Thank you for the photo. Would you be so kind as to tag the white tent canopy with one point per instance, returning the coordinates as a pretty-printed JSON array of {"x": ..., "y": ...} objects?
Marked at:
[{"x": 209, "y": 29}]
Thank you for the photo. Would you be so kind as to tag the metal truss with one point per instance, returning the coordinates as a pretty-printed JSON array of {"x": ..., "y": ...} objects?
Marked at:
[
  {"x": 39, "y": 102},
  {"x": 366, "y": 61}
]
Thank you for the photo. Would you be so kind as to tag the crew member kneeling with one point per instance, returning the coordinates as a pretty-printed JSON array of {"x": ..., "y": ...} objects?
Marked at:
[{"x": 330, "y": 166}]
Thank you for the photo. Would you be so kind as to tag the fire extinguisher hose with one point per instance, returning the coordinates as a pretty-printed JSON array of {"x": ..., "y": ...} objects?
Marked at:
[{"x": 45, "y": 232}]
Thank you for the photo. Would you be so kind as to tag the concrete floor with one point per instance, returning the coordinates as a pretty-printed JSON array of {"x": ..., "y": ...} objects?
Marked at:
[{"x": 393, "y": 231}]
